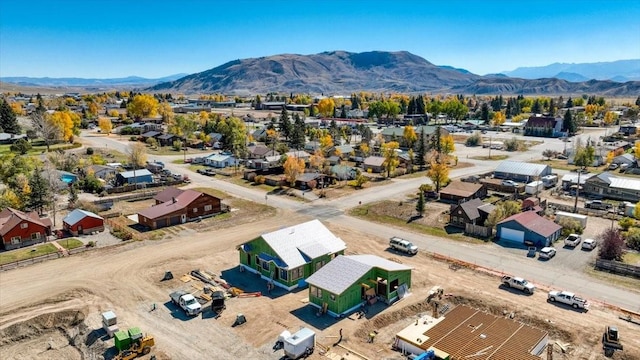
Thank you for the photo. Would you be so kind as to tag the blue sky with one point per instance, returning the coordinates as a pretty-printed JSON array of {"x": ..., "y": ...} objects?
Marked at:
[{"x": 113, "y": 38}]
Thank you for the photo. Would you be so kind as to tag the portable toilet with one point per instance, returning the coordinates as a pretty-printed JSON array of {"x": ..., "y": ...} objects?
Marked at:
[{"x": 122, "y": 340}]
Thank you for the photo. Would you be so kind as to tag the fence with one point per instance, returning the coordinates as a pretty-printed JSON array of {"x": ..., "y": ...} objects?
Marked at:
[
  {"x": 127, "y": 188},
  {"x": 39, "y": 259},
  {"x": 618, "y": 268},
  {"x": 477, "y": 230}
]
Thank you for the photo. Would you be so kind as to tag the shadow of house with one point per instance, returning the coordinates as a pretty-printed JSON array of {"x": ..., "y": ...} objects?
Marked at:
[
  {"x": 252, "y": 282},
  {"x": 288, "y": 256},
  {"x": 348, "y": 282}
]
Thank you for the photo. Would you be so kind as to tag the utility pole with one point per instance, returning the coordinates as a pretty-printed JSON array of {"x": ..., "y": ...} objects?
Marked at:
[
  {"x": 575, "y": 204},
  {"x": 490, "y": 145}
]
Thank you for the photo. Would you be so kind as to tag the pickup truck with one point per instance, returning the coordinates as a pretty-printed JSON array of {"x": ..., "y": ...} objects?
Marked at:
[
  {"x": 573, "y": 240},
  {"x": 597, "y": 204},
  {"x": 186, "y": 302},
  {"x": 568, "y": 298},
  {"x": 518, "y": 283}
]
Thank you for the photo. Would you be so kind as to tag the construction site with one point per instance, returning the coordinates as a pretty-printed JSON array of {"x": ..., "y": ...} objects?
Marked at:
[{"x": 65, "y": 309}]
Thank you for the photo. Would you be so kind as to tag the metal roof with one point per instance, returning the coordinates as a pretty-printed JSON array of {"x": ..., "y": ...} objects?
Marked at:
[
  {"x": 624, "y": 183},
  {"x": 181, "y": 201},
  {"x": 291, "y": 243},
  {"x": 76, "y": 215},
  {"x": 521, "y": 168},
  {"x": 139, "y": 172},
  {"x": 534, "y": 222},
  {"x": 343, "y": 271}
]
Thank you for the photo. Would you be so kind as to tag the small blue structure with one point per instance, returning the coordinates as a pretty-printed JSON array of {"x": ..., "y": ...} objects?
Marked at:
[
  {"x": 67, "y": 177},
  {"x": 427, "y": 355},
  {"x": 140, "y": 176}
]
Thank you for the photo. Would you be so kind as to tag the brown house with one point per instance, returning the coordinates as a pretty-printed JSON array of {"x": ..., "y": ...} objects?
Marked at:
[
  {"x": 184, "y": 206},
  {"x": 471, "y": 212},
  {"x": 375, "y": 163},
  {"x": 458, "y": 191},
  {"x": 18, "y": 229}
]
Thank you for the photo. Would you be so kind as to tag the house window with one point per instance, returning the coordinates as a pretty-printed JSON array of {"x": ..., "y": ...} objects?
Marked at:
[
  {"x": 208, "y": 207},
  {"x": 297, "y": 273},
  {"x": 15, "y": 240},
  {"x": 24, "y": 225},
  {"x": 393, "y": 286},
  {"x": 319, "y": 264},
  {"x": 195, "y": 210},
  {"x": 283, "y": 274},
  {"x": 332, "y": 297},
  {"x": 35, "y": 236},
  {"x": 316, "y": 292},
  {"x": 265, "y": 265}
]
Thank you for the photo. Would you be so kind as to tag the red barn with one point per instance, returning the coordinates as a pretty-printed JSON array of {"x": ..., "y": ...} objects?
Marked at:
[
  {"x": 80, "y": 222},
  {"x": 183, "y": 206},
  {"x": 18, "y": 229}
]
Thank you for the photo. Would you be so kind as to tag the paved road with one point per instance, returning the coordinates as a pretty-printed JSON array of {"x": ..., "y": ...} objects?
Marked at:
[{"x": 553, "y": 273}]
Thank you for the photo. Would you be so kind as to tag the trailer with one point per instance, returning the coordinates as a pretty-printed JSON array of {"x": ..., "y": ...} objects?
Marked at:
[
  {"x": 549, "y": 181},
  {"x": 582, "y": 219},
  {"x": 300, "y": 344},
  {"x": 534, "y": 188}
]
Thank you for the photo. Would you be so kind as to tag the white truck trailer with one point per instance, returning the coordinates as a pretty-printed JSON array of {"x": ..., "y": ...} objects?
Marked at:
[
  {"x": 582, "y": 219},
  {"x": 300, "y": 344},
  {"x": 534, "y": 188}
]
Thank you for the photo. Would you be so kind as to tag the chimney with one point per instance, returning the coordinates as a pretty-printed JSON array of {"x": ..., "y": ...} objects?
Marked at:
[
  {"x": 173, "y": 199},
  {"x": 435, "y": 310}
]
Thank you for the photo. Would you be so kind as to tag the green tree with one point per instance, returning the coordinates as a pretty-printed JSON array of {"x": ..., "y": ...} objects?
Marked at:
[
  {"x": 421, "y": 152},
  {"x": 8, "y": 119},
  {"x": 420, "y": 204},
  {"x": 21, "y": 147},
  {"x": 297, "y": 135},
  {"x": 286, "y": 128},
  {"x": 40, "y": 192},
  {"x": 625, "y": 223},
  {"x": 569, "y": 124},
  {"x": 73, "y": 193}
]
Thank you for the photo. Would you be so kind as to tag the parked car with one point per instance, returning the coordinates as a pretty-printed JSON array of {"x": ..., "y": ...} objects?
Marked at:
[
  {"x": 568, "y": 298},
  {"x": 547, "y": 252},
  {"x": 589, "y": 244},
  {"x": 624, "y": 167},
  {"x": 518, "y": 283},
  {"x": 613, "y": 166},
  {"x": 597, "y": 204},
  {"x": 573, "y": 240},
  {"x": 403, "y": 245},
  {"x": 509, "y": 183}
]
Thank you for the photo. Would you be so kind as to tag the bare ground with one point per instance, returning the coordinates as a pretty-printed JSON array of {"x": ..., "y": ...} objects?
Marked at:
[{"x": 50, "y": 310}]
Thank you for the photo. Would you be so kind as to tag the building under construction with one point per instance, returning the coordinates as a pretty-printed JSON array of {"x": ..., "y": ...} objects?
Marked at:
[{"x": 467, "y": 333}]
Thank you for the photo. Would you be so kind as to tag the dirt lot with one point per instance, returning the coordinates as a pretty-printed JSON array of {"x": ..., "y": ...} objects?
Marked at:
[{"x": 58, "y": 316}]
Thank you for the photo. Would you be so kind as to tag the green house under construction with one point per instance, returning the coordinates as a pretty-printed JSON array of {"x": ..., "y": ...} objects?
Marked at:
[
  {"x": 347, "y": 282},
  {"x": 290, "y": 255}
]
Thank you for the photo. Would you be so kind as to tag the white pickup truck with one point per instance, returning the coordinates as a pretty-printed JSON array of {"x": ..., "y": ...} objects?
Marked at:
[
  {"x": 568, "y": 298},
  {"x": 186, "y": 302},
  {"x": 518, "y": 283}
]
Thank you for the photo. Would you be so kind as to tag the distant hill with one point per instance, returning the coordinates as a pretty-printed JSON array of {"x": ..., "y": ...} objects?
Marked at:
[
  {"x": 573, "y": 77},
  {"x": 621, "y": 71},
  {"x": 82, "y": 82},
  {"x": 554, "y": 86},
  {"x": 327, "y": 72}
]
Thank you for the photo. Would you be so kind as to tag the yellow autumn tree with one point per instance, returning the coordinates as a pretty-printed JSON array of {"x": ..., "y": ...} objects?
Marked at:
[
  {"x": 438, "y": 173},
  {"x": 113, "y": 113},
  {"x": 63, "y": 121},
  {"x": 293, "y": 167},
  {"x": 364, "y": 149},
  {"x": 610, "y": 118},
  {"x": 17, "y": 109},
  {"x": 316, "y": 161},
  {"x": 447, "y": 146},
  {"x": 610, "y": 156},
  {"x": 8, "y": 198},
  {"x": 92, "y": 109},
  {"x": 105, "y": 125},
  {"x": 636, "y": 150},
  {"x": 498, "y": 118},
  {"x": 166, "y": 111},
  {"x": 390, "y": 156},
  {"x": 326, "y": 107},
  {"x": 409, "y": 135},
  {"x": 326, "y": 141},
  {"x": 142, "y": 106}
]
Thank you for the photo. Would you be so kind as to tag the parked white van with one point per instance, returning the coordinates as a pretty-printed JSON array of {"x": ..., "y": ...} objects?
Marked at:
[{"x": 403, "y": 245}]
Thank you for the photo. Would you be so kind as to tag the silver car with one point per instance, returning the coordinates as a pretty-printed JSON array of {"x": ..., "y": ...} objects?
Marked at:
[{"x": 547, "y": 253}]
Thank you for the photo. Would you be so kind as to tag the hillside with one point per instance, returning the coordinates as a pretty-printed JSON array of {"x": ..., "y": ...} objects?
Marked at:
[{"x": 621, "y": 71}]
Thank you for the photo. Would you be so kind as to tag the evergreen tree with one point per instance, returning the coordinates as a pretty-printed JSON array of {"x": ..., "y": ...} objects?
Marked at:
[
  {"x": 8, "y": 119},
  {"x": 333, "y": 130},
  {"x": 569, "y": 104},
  {"x": 343, "y": 112},
  {"x": 298, "y": 133},
  {"x": 285, "y": 124},
  {"x": 73, "y": 193},
  {"x": 638, "y": 101},
  {"x": 435, "y": 140},
  {"x": 569, "y": 123},
  {"x": 421, "y": 152},
  {"x": 420, "y": 105},
  {"x": 485, "y": 113},
  {"x": 536, "y": 108},
  {"x": 552, "y": 107},
  {"x": 40, "y": 192},
  {"x": 420, "y": 204},
  {"x": 40, "y": 108}
]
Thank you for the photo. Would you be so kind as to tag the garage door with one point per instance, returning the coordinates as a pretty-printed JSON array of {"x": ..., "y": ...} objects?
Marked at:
[
  {"x": 175, "y": 220},
  {"x": 512, "y": 235}
]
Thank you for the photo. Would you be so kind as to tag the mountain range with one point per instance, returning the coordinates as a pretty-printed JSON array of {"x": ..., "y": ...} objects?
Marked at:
[
  {"x": 342, "y": 72},
  {"x": 620, "y": 71}
]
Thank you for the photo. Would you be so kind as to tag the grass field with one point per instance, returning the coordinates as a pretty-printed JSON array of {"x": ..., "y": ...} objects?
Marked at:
[
  {"x": 39, "y": 149},
  {"x": 70, "y": 243},
  {"x": 23, "y": 254}
]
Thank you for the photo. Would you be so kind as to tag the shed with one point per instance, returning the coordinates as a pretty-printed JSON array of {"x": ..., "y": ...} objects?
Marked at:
[
  {"x": 346, "y": 282},
  {"x": 582, "y": 219},
  {"x": 80, "y": 222},
  {"x": 521, "y": 171},
  {"x": 139, "y": 176}
]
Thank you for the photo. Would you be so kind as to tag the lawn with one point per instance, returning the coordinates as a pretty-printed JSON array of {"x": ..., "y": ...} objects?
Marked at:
[
  {"x": 70, "y": 243},
  {"x": 39, "y": 149},
  {"x": 492, "y": 157},
  {"x": 632, "y": 258},
  {"x": 23, "y": 254}
]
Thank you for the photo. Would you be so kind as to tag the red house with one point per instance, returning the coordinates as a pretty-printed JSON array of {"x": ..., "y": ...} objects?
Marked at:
[
  {"x": 18, "y": 229},
  {"x": 80, "y": 222},
  {"x": 177, "y": 207}
]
